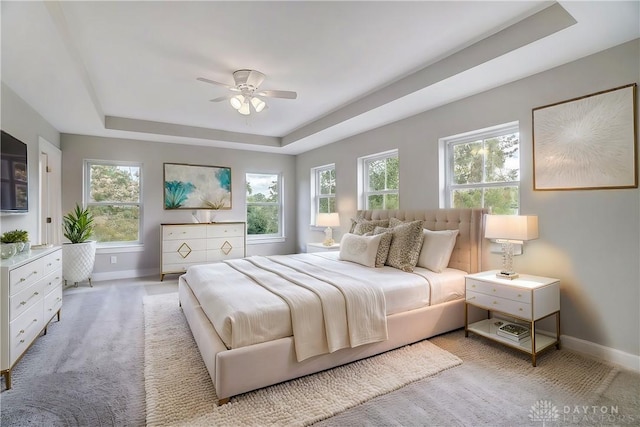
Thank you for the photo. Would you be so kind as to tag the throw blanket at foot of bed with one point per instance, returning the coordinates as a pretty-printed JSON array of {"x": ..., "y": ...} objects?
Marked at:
[{"x": 329, "y": 310}]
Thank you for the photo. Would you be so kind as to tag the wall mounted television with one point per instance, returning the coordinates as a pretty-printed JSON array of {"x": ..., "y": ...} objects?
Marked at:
[{"x": 14, "y": 190}]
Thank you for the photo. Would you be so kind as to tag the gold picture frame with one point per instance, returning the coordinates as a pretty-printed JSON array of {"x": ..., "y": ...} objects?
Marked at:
[
  {"x": 587, "y": 143},
  {"x": 196, "y": 187}
]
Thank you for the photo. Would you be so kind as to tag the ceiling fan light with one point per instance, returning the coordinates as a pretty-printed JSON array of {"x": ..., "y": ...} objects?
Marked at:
[
  {"x": 237, "y": 101},
  {"x": 244, "y": 109},
  {"x": 258, "y": 104}
]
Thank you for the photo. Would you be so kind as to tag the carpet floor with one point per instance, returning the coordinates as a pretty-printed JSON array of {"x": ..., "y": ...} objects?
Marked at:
[{"x": 175, "y": 374}]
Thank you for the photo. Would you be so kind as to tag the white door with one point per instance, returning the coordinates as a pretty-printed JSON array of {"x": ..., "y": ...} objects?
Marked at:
[{"x": 50, "y": 212}]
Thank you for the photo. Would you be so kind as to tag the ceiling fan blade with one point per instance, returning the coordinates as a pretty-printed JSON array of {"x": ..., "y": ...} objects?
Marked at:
[
  {"x": 287, "y": 94},
  {"x": 221, "y": 98},
  {"x": 202, "y": 79}
]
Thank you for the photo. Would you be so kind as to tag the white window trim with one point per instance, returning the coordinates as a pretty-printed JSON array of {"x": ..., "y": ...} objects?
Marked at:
[
  {"x": 315, "y": 196},
  {"x": 447, "y": 154},
  {"x": 257, "y": 239},
  {"x": 115, "y": 247},
  {"x": 363, "y": 177}
]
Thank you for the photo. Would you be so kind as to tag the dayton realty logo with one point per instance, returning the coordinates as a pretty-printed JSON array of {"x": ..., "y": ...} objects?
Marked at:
[{"x": 544, "y": 411}]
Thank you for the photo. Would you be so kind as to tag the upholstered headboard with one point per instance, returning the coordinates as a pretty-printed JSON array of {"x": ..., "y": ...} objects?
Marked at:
[{"x": 467, "y": 253}]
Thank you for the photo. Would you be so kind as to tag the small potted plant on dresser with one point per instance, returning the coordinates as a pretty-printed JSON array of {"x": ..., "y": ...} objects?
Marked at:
[
  {"x": 19, "y": 238},
  {"x": 79, "y": 255}
]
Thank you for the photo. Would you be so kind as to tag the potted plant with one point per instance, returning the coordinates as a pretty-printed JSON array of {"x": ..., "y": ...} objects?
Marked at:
[
  {"x": 20, "y": 238},
  {"x": 78, "y": 256}
]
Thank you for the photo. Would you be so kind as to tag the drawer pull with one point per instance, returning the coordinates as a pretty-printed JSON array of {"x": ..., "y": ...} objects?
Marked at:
[
  {"x": 22, "y": 279},
  {"x": 494, "y": 289},
  {"x": 495, "y": 302},
  {"x": 50, "y": 264},
  {"x": 520, "y": 309},
  {"x": 469, "y": 299},
  {"x": 21, "y": 341},
  {"x": 519, "y": 295},
  {"x": 34, "y": 294},
  {"x": 21, "y": 332},
  {"x": 473, "y": 286}
]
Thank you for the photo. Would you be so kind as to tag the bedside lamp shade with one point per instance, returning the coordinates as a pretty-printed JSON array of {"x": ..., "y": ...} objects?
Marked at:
[
  {"x": 507, "y": 230},
  {"x": 328, "y": 220}
]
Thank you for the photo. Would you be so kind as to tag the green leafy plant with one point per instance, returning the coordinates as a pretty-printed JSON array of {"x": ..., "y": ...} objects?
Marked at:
[
  {"x": 78, "y": 225},
  {"x": 15, "y": 236}
]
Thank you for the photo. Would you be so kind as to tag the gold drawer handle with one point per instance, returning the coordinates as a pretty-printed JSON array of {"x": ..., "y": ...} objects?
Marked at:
[
  {"x": 519, "y": 295},
  {"x": 494, "y": 289},
  {"x": 495, "y": 302},
  {"x": 34, "y": 294},
  {"x": 520, "y": 309}
]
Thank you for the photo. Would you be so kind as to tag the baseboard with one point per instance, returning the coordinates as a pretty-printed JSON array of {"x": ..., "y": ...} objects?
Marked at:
[
  {"x": 125, "y": 274},
  {"x": 607, "y": 354}
]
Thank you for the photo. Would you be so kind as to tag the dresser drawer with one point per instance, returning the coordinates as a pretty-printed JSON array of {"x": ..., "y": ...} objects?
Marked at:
[
  {"x": 222, "y": 254},
  {"x": 502, "y": 291},
  {"x": 184, "y": 247},
  {"x": 184, "y": 257},
  {"x": 24, "y": 329},
  {"x": 23, "y": 300},
  {"x": 181, "y": 232},
  {"x": 52, "y": 262},
  {"x": 504, "y": 305},
  {"x": 225, "y": 230},
  {"x": 52, "y": 280},
  {"x": 52, "y": 302},
  {"x": 226, "y": 244},
  {"x": 22, "y": 277},
  {"x": 178, "y": 267}
]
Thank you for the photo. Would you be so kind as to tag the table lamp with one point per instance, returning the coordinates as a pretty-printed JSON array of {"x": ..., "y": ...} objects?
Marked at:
[
  {"x": 509, "y": 230},
  {"x": 328, "y": 220}
]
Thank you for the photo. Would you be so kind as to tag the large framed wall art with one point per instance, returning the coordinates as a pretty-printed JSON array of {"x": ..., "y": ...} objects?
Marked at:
[
  {"x": 587, "y": 143},
  {"x": 196, "y": 187}
]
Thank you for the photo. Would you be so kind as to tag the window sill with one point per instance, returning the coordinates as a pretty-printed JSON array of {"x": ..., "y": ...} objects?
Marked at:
[
  {"x": 118, "y": 249},
  {"x": 265, "y": 240}
]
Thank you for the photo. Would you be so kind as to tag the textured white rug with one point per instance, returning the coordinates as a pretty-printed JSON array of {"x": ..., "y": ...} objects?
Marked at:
[{"x": 179, "y": 391}]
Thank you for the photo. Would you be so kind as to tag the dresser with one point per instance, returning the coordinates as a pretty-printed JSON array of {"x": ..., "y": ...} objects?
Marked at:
[
  {"x": 184, "y": 245},
  {"x": 526, "y": 300},
  {"x": 31, "y": 296}
]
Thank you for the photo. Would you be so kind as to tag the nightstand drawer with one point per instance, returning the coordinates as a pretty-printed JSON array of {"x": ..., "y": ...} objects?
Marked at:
[
  {"x": 502, "y": 291},
  {"x": 504, "y": 305}
]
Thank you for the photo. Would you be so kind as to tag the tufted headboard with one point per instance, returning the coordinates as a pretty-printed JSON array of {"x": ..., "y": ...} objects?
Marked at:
[{"x": 467, "y": 253}]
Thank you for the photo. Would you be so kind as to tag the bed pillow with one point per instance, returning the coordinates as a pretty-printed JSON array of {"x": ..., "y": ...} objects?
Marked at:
[
  {"x": 385, "y": 245},
  {"x": 365, "y": 226},
  {"x": 405, "y": 246},
  {"x": 360, "y": 249},
  {"x": 436, "y": 249}
]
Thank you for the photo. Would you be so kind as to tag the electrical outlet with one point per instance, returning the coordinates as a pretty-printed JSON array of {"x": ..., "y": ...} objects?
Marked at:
[{"x": 114, "y": 260}]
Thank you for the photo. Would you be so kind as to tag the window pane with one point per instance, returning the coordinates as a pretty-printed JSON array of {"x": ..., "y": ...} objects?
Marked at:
[
  {"x": 323, "y": 205},
  {"x": 376, "y": 202},
  {"x": 262, "y": 187},
  {"x": 391, "y": 201},
  {"x": 468, "y": 198},
  {"x": 115, "y": 223},
  {"x": 377, "y": 175},
  {"x": 502, "y": 162},
  {"x": 467, "y": 163},
  {"x": 327, "y": 182},
  {"x": 113, "y": 183},
  {"x": 393, "y": 167},
  {"x": 502, "y": 200},
  {"x": 262, "y": 219}
]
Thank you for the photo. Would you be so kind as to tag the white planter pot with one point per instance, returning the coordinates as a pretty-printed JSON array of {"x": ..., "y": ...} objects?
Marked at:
[{"x": 77, "y": 261}]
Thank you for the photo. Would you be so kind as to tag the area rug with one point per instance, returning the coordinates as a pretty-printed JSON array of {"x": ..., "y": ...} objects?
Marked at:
[{"x": 179, "y": 391}]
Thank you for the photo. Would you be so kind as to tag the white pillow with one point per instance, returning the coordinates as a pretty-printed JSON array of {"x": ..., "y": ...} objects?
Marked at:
[
  {"x": 360, "y": 249},
  {"x": 436, "y": 249}
]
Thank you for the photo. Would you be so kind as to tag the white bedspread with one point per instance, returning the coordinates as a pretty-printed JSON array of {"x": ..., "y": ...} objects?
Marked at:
[{"x": 244, "y": 313}]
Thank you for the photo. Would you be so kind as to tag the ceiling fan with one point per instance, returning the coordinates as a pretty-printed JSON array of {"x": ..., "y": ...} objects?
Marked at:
[{"x": 247, "y": 83}]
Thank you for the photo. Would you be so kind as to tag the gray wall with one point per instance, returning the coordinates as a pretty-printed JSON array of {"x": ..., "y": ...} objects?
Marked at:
[
  {"x": 77, "y": 148},
  {"x": 24, "y": 123},
  {"x": 588, "y": 239}
]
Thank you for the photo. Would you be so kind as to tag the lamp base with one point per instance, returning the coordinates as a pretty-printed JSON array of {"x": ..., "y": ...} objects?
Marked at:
[{"x": 507, "y": 275}]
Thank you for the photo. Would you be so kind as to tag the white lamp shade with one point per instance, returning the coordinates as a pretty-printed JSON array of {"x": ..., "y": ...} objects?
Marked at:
[
  {"x": 237, "y": 101},
  {"x": 244, "y": 109},
  {"x": 328, "y": 220},
  {"x": 258, "y": 104},
  {"x": 511, "y": 227}
]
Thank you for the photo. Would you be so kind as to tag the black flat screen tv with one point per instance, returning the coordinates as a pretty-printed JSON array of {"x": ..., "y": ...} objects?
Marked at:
[{"x": 14, "y": 193}]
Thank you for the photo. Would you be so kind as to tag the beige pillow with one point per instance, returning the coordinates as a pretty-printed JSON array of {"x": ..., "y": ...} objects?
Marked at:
[
  {"x": 405, "y": 246},
  {"x": 360, "y": 249},
  {"x": 365, "y": 226},
  {"x": 436, "y": 249}
]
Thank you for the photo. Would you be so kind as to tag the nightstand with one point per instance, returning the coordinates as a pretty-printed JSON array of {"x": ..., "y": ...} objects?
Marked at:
[
  {"x": 526, "y": 299},
  {"x": 319, "y": 247}
]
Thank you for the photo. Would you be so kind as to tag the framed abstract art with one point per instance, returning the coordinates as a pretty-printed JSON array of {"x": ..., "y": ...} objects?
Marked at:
[{"x": 196, "y": 187}]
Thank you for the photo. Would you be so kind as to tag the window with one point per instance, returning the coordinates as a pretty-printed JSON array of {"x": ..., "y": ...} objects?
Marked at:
[
  {"x": 264, "y": 205},
  {"x": 381, "y": 180},
  {"x": 483, "y": 170},
  {"x": 323, "y": 190},
  {"x": 113, "y": 194}
]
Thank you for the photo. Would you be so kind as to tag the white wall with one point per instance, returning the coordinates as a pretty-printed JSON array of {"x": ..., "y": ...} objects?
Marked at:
[
  {"x": 24, "y": 123},
  {"x": 77, "y": 148},
  {"x": 588, "y": 239}
]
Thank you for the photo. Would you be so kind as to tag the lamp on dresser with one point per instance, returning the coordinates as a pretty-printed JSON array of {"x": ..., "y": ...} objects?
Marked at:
[
  {"x": 509, "y": 230},
  {"x": 328, "y": 220}
]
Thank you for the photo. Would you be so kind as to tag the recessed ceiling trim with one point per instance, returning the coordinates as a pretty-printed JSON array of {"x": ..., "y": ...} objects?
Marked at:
[
  {"x": 171, "y": 129},
  {"x": 535, "y": 27}
]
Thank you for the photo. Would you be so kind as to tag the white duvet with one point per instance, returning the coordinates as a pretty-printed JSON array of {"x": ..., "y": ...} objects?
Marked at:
[{"x": 249, "y": 301}]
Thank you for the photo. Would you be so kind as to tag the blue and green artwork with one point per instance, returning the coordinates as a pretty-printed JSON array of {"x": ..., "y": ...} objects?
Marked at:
[{"x": 196, "y": 187}]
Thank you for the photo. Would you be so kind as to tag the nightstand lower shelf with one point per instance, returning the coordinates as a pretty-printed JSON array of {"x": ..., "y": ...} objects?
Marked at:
[{"x": 487, "y": 329}]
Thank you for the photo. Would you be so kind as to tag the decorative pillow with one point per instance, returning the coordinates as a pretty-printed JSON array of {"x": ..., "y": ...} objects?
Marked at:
[
  {"x": 405, "y": 246},
  {"x": 436, "y": 249},
  {"x": 365, "y": 226},
  {"x": 360, "y": 249},
  {"x": 385, "y": 245},
  {"x": 394, "y": 222}
]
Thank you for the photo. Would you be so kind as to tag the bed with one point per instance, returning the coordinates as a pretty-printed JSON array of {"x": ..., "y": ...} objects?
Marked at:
[{"x": 245, "y": 351}]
